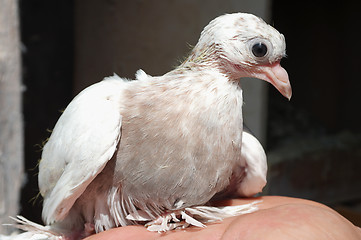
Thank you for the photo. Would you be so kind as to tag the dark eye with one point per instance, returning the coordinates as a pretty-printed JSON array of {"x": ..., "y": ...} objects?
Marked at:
[{"x": 259, "y": 49}]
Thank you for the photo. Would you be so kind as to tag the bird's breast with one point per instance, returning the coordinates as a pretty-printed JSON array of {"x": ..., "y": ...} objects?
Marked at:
[{"x": 179, "y": 141}]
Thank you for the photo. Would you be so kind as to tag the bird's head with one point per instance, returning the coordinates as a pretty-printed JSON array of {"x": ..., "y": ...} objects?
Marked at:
[{"x": 243, "y": 45}]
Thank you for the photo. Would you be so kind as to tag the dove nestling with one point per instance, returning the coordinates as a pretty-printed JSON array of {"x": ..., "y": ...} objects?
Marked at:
[{"x": 129, "y": 151}]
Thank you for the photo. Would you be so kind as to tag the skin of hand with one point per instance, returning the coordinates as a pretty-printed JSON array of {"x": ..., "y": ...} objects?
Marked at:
[{"x": 277, "y": 218}]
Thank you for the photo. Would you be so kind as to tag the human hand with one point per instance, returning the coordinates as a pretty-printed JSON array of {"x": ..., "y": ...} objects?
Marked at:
[{"x": 277, "y": 218}]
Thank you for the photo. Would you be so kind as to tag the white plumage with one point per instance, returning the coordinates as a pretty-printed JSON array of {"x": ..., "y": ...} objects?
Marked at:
[
  {"x": 83, "y": 141},
  {"x": 127, "y": 151}
]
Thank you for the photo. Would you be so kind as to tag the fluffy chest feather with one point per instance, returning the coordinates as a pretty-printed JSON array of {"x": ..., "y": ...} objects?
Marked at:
[{"x": 180, "y": 137}]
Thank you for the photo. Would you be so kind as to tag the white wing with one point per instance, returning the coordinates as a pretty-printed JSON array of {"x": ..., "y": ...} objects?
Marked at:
[
  {"x": 82, "y": 142},
  {"x": 254, "y": 159},
  {"x": 249, "y": 175}
]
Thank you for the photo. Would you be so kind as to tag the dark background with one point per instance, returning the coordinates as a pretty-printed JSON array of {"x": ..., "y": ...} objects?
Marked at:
[{"x": 323, "y": 47}]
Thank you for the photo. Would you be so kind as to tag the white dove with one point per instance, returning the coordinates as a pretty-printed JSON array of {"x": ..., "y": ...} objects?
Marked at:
[{"x": 158, "y": 148}]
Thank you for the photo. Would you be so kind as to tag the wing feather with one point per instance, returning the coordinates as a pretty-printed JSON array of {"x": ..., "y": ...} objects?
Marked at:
[
  {"x": 83, "y": 141},
  {"x": 254, "y": 159}
]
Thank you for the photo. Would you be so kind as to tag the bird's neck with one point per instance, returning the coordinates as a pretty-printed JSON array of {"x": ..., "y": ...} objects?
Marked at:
[{"x": 208, "y": 57}]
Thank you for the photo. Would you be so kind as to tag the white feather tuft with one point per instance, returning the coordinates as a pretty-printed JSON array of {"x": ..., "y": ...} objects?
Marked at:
[
  {"x": 198, "y": 216},
  {"x": 33, "y": 231}
]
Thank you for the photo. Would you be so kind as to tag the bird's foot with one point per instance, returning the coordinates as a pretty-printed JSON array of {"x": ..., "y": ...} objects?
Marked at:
[{"x": 197, "y": 216}]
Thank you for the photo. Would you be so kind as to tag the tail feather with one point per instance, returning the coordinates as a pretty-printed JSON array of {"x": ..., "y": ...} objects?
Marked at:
[
  {"x": 194, "y": 216},
  {"x": 212, "y": 214},
  {"x": 32, "y": 231}
]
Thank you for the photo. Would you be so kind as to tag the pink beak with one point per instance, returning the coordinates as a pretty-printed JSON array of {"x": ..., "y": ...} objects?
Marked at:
[{"x": 277, "y": 76}]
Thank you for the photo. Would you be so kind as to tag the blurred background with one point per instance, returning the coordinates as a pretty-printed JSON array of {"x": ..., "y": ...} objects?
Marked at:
[{"x": 313, "y": 142}]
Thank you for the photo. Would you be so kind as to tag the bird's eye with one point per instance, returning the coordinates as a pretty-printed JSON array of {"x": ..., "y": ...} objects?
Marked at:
[{"x": 259, "y": 49}]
